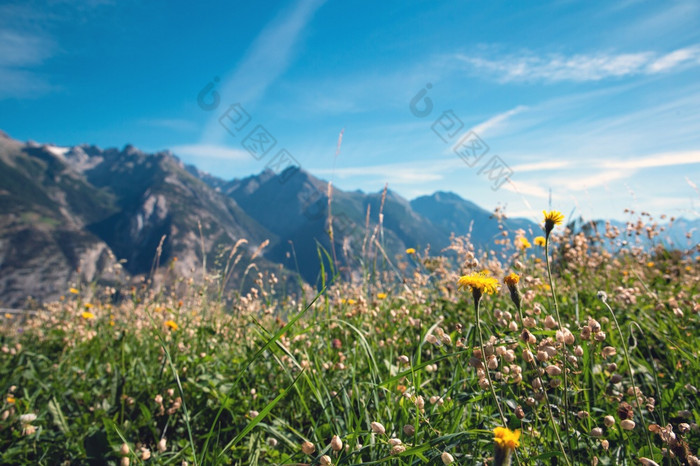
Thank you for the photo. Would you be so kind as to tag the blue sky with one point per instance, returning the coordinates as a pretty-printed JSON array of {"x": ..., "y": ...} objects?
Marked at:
[{"x": 594, "y": 103}]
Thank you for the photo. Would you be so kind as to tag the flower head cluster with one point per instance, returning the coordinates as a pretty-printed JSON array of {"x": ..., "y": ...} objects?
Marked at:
[
  {"x": 552, "y": 218},
  {"x": 505, "y": 442},
  {"x": 479, "y": 283},
  {"x": 511, "y": 280}
]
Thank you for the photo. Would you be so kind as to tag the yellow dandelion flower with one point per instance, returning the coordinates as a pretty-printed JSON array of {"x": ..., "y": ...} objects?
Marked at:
[
  {"x": 506, "y": 438},
  {"x": 505, "y": 443},
  {"x": 650, "y": 264},
  {"x": 171, "y": 324},
  {"x": 88, "y": 306},
  {"x": 410, "y": 251},
  {"x": 73, "y": 291},
  {"x": 551, "y": 218},
  {"x": 10, "y": 399},
  {"x": 8, "y": 315},
  {"x": 87, "y": 315},
  {"x": 522, "y": 243},
  {"x": 479, "y": 282},
  {"x": 540, "y": 241},
  {"x": 381, "y": 295},
  {"x": 511, "y": 279}
]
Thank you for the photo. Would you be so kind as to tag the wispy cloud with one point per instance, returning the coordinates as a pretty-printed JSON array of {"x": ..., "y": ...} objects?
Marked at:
[
  {"x": 397, "y": 173},
  {"x": 176, "y": 124},
  {"x": 529, "y": 66},
  {"x": 211, "y": 151},
  {"x": 20, "y": 54},
  {"x": 664, "y": 159},
  {"x": 266, "y": 59}
]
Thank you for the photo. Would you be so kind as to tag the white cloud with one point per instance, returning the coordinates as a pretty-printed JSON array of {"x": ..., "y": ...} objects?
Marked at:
[
  {"x": 663, "y": 159},
  {"x": 211, "y": 151},
  {"x": 579, "y": 67}
]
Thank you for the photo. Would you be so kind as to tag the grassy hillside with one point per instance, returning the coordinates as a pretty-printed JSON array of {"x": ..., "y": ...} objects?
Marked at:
[{"x": 394, "y": 367}]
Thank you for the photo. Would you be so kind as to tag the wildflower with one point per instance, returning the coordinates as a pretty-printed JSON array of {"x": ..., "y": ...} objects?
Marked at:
[
  {"x": 171, "y": 324},
  {"x": 10, "y": 399},
  {"x": 479, "y": 283},
  {"x": 511, "y": 280},
  {"x": 410, "y": 251},
  {"x": 540, "y": 241},
  {"x": 551, "y": 218},
  {"x": 505, "y": 443},
  {"x": 308, "y": 448},
  {"x": 627, "y": 424},
  {"x": 73, "y": 291},
  {"x": 87, "y": 315},
  {"x": 336, "y": 443},
  {"x": 89, "y": 306},
  {"x": 381, "y": 295},
  {"x": 447, "y": 459},
  {"x": 522, "y": 243},
  {"x": 27, "y": 418},
  {"x": 377, "y": 428}
]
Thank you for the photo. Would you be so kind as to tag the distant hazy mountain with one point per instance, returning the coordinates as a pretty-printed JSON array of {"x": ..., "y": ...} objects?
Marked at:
[{"x": 71, "y": 214}]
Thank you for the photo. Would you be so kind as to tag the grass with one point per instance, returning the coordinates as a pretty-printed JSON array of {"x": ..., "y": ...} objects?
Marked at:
[{"x": 250, "y": 381}]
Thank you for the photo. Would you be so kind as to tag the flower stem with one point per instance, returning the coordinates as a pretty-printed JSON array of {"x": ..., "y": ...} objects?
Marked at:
[
  {"x": 561, "y": 327},
  {"x": 634, "y": 386}
]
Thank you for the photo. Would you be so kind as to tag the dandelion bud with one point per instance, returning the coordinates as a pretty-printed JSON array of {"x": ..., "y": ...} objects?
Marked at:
[
  {"x": 432, "y": 339},
  {"x": 553, "y": 370},
  {"x": 605, "y": 444},
  {"x": 124, "y": 450},
  {"x": 325, "y": 460},
  {"x": 162, "y": 445},
  {"x": 594, "y": 325},
  {"x": 447, "y": 458},
  {"x": 272, "y": 442},
  {"x": 582, "y": 414},
  {"x": 600, "y": 336},
  {"x": 537, "y": 383},
  {"x": 542, "y": 355},
  {"x": 336, "y": 443},
  {"x": 125, "y": 461},
  {"x": 145, "y": 454},
  {"x": 597, "y": 432},
  {"x": 377, "y": 428},
  {"x": 403, "y": 359},
  {"x": 159, "y": 399},
  {"x": 513, "y": 326},
  {"x": 484, "y": 384},
  {"x": 519, "y": 413},
  {"x": 550, "y": 323},
  {"x": 308, "y": 448},
  {"x": 616, "y": 378},
  {"x": 394, "y": 441},
  {"x": 528, "y": 356},
  {"x": 609, "y": 421},
  {"x": 409, "y": 430},
  {"x": 578, "y": 351},
  {"x": 647, "y": 462},
  {"x": 627, "y": 424},
  {"x": 445, "y": 339}
]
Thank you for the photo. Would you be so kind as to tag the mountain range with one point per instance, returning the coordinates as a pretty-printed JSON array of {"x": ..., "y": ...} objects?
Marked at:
[{"x": 83, "y": 214}]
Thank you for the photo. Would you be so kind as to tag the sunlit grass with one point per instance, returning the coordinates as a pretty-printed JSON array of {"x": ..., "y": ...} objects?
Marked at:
[{"x": 373, "y": 371}]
